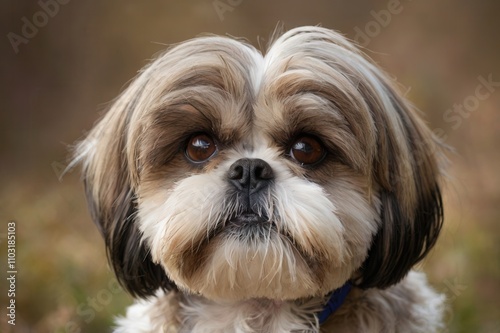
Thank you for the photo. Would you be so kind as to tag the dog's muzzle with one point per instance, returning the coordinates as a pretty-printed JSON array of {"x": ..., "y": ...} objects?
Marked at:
[{"x": 250, "y": 179}]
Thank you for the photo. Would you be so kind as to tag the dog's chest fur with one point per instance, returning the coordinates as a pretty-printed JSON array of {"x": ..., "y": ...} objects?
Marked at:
[{"x": 410, "y": 306}]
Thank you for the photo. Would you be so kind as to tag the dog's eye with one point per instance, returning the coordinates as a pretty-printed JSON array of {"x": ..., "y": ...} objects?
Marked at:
[
  {"x": 200, "y": 148},
  {"x": 307, "y": 150}
]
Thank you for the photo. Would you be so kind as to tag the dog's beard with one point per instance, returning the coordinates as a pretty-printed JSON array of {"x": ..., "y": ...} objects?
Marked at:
[{"x": 292, "y": 240}]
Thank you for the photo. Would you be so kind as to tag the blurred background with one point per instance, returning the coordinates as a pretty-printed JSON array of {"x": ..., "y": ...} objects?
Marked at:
[{"x": 62, "y": 63}]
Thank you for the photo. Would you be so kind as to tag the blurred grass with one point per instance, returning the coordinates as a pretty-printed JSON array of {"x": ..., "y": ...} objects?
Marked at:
[
  {"x": 54, "y": 88},
  {"x": 63, "y": 280}
]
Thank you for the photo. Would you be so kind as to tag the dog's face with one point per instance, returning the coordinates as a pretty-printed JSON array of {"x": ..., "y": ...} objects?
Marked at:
[{"x": 235, "y": 175}]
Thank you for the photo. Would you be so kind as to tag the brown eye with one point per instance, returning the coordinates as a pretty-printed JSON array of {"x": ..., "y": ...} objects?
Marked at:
[
  {"x": 307, "y": 150},
  {"x": 200, "y": 148}
]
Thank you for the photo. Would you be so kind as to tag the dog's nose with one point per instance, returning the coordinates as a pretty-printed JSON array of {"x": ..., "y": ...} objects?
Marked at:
[{"x": 250, "y": 174}]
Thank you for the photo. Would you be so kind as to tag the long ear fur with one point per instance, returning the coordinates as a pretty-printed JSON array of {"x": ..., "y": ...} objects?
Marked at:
[
  {"x": 407, "y": 170},
  {"x": 110, "y": 195}
]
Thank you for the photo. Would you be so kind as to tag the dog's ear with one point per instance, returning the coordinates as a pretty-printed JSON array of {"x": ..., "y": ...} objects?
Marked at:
[
  {"x": 107, "y": 176},
  {"x": 407, "y": 171}
]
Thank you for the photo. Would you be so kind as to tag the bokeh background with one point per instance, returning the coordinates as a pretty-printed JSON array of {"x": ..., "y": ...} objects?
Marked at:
[{"x": 57, "y": 79}]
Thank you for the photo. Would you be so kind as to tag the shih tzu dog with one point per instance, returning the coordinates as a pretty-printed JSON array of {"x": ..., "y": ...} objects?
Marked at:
[{"x": 287, "y": 192}]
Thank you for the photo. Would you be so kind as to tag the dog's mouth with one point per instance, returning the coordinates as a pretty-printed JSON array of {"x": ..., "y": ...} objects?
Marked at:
[
  {"x": 248, "y": 219},
  {"x": 249, "y": 226}
]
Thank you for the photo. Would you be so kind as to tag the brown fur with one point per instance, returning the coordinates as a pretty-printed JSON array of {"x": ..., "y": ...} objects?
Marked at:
[{"x": 380, "y": 156}]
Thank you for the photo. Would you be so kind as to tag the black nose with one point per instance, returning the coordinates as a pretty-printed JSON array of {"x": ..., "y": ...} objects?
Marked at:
[{"x": 250, "y": 174}]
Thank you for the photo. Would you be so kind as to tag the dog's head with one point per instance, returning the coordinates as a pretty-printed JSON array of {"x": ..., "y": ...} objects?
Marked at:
[{"x": 234, "y": 175}]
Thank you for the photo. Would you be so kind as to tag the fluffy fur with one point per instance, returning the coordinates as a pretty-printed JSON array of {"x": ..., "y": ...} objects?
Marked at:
[{"x": 252, "y": 238}]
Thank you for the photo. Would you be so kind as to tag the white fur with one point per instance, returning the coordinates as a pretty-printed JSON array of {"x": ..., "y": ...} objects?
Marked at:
[
  {"x": 371, "y": 311},
  {"x": 174, "y": 219}
]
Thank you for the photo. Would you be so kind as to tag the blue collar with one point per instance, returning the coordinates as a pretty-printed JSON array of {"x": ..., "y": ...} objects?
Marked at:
[{"x": 334, "y": 302}]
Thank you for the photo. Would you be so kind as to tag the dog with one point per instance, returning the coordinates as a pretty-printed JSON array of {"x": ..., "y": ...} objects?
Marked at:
[{"x": 291, "y": 191}]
